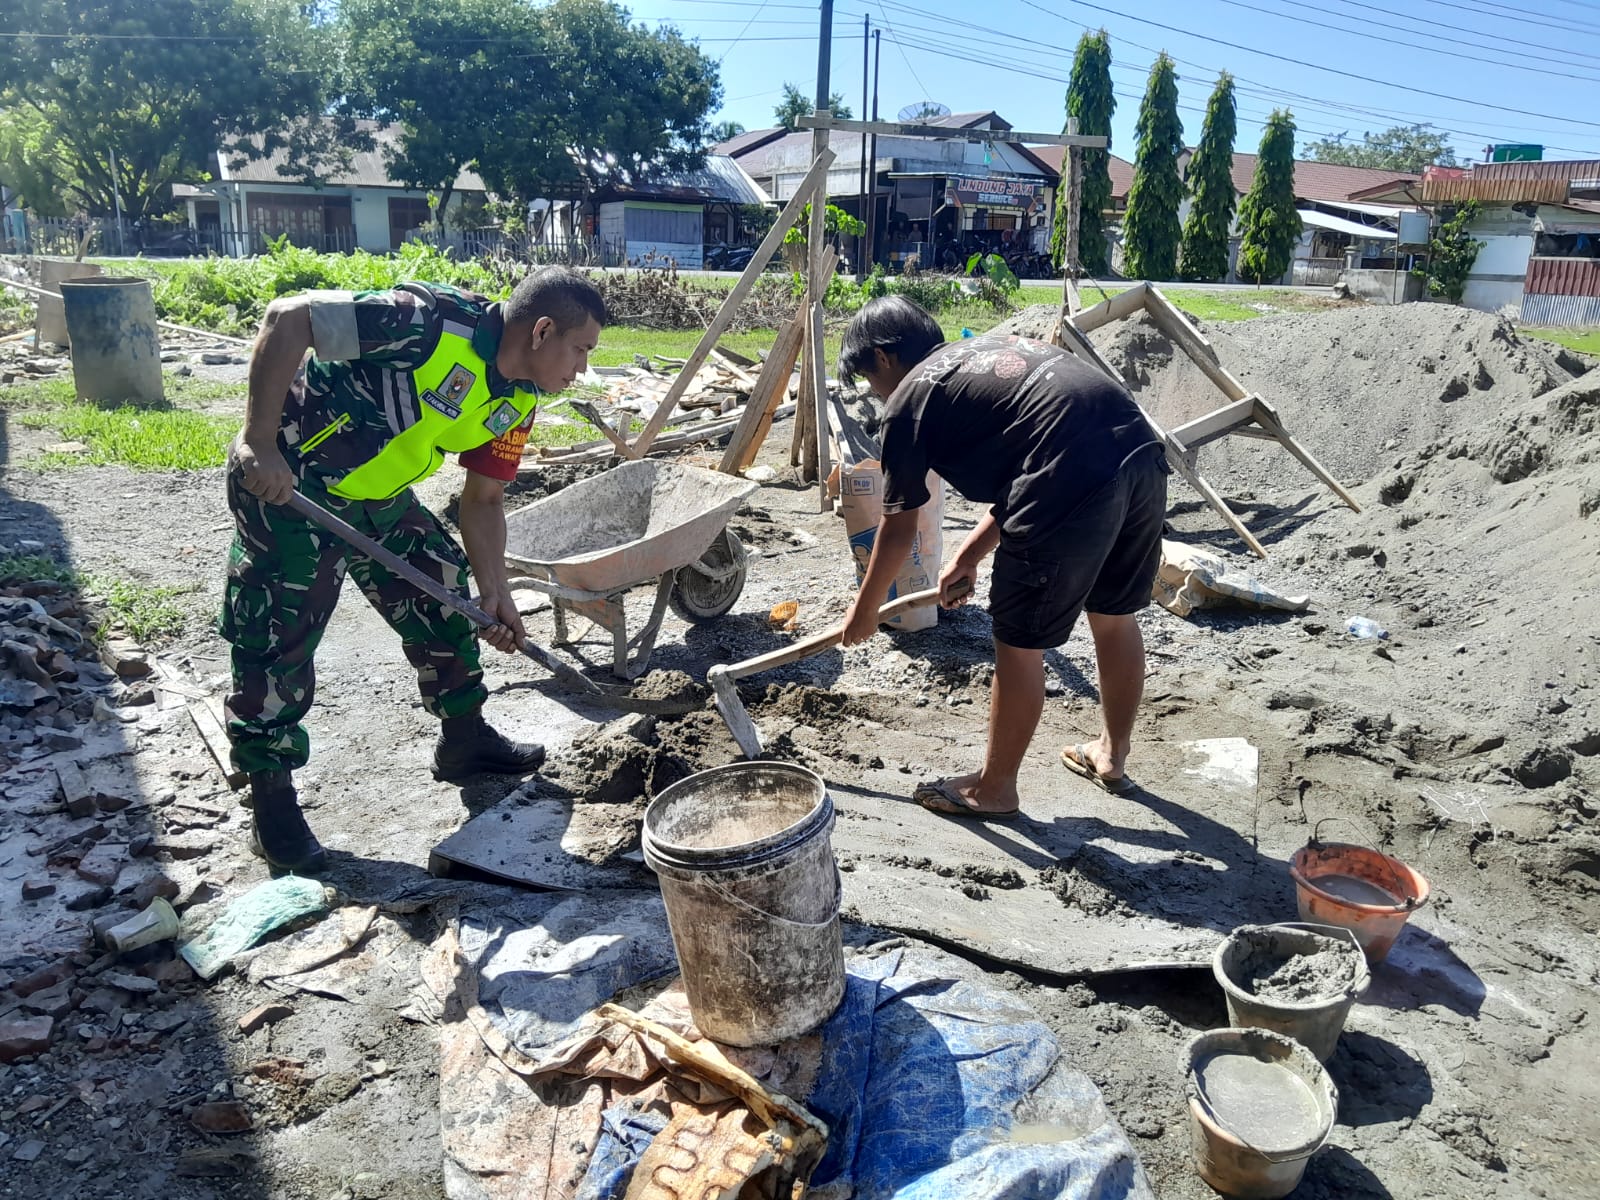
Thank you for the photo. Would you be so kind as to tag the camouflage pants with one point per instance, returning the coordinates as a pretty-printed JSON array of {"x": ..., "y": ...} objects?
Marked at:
[{"x": 284, "y": 576}]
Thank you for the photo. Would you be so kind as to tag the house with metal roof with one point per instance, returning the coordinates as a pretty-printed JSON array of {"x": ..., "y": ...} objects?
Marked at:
[
  {"x": 1538, "y": 224},
  {"x": 929, "y": 197},
  {"x": 676, "y": 215},
  {"x": 359, "y": 206}
]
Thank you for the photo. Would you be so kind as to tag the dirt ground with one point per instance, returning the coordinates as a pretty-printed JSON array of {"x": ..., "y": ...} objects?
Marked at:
[{"x": 1465, "y": 744}]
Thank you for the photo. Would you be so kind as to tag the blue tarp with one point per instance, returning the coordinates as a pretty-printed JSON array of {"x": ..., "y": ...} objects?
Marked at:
[{"x": 933, "y": 1085}]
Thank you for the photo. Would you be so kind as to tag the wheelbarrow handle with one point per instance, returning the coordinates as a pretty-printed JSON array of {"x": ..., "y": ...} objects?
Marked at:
[{"x": 432, "y": 588}]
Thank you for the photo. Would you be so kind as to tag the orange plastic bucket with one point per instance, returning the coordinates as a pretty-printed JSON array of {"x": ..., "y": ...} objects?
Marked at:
[{"x": 1359, "y": 889}]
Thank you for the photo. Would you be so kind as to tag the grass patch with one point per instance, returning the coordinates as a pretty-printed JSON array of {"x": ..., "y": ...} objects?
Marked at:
[
  {"x": 146, "y": 439},
  {"x": 143, "y": 611},
  {"x": 1585, "y": 341},
  {"x": 26, "y": 568}
]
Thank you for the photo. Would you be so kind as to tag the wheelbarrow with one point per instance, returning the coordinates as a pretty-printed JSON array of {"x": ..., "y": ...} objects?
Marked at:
[{"x": 640, "y": 524}]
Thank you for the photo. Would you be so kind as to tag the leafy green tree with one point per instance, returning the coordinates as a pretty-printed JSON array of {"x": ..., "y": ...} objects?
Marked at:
[
  {"x": 609, "y": 103},
  {"x": 1268, "y": 220},
  {"x": 1091, "y": 100},
  {"x": 181, "y": 80},
  {"x": 541, "y": 102},
  {"x": 1210, "y": 180},
  {"x": 796, "y": 104},
  {"x": 1151, "y": 231},
  {"x": 723, "y": 131},
  {"x": 1407, "y": 148},
  {"x": 1452, "y": 252}
]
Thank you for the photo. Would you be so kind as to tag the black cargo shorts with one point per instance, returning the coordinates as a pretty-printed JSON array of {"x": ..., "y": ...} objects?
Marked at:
[{"x": 1102, "y": 559}]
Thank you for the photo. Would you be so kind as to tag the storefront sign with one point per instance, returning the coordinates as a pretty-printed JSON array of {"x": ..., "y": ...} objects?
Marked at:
[{"x": 994, "y": 193}]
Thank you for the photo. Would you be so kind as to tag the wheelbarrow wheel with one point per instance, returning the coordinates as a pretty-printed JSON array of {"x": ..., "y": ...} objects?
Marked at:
[{"x": 709, "y": 587}]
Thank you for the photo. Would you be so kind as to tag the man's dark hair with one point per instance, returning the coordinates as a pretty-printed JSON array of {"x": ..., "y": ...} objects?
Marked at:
[
  {"x": 892, "y": 324},
  {"x": 561, "y": 294}
]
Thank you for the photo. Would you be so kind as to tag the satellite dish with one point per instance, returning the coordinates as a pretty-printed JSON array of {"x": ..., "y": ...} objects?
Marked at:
[{"x": 921, "y": 110}]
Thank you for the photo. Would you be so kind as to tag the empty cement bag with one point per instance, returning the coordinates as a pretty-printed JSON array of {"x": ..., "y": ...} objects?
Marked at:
[
  {"x": 116, "y": 353},
  {"x": 247, "y": 920},
  {"x": 1191, "y": 579}
]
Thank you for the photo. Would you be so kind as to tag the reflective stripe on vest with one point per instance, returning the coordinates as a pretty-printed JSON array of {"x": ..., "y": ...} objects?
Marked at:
[{"x": 456, "y": 413}]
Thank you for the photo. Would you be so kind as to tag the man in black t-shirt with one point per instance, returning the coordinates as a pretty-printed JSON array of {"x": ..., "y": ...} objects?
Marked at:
[{"x": 1076, "y": 480}]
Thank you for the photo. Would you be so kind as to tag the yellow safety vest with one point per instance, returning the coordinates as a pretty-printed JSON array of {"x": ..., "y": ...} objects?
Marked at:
[{"x": 456, "y": 413}]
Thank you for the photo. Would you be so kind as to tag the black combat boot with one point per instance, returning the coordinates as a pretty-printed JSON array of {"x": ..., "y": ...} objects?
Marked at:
[
  {"x": 468, "y": 746},
  {"x": 278, "y": 832}
]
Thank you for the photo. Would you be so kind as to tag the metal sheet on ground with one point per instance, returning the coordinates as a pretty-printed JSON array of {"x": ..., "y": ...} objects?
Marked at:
[{"x": 554, "y": 845}]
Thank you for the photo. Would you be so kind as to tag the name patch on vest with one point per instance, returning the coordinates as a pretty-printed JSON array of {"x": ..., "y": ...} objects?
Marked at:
[
  {"x": 457, "y": 383},
  {"x": 440, "y": 404},
  {"x": 502, "y": 418}
]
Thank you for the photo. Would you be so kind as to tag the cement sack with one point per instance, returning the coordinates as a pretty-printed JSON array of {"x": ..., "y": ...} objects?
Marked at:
[
  {"x": 1191, "y": 579},
  {"x": 861, "y": 502}
]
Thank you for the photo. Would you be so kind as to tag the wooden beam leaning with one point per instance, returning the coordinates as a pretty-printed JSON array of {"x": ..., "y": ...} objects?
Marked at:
[
  {"x": 1171, "y": 321},
  {"x": 1119, "y": 308},
  {"x": 944, "y": 133},
  {"x": 1267, "y": 417},
  {"x": 764, "y": 397},
  {"x": 1070, "y": 301},
  {"x": 816, "y": 450},
  {"x": 814, "y": 180}
]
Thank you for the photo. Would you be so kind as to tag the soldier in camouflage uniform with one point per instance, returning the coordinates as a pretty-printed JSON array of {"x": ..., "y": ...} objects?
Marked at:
[{"x": 394, "y": 382}]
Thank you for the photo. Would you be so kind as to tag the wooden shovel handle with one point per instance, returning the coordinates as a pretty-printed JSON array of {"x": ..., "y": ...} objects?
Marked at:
[{"x": 816, "y": 643}]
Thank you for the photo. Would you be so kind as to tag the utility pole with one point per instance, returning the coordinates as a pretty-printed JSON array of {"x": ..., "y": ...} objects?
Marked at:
[
  {"x": 872, "y": 154},
  {"x": 861, "y": 239},
  {"x": 811, "y": 419},
  {"x": 116, "y": 197}
]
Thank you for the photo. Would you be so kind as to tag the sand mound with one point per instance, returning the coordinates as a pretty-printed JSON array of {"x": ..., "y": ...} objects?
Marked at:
[{"x": 1357, "y": 386}]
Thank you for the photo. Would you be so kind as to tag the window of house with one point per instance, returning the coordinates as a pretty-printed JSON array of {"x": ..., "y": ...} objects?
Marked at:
[{"x": 405, "y": 214}]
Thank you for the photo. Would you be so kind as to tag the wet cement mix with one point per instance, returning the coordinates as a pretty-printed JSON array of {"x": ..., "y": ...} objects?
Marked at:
[
  {"x": 1467, "y": 744},
  {"x": 1327, "y": 970}
]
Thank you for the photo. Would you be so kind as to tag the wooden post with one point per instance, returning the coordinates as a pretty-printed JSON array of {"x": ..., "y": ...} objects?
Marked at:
[
  {"x": 815, "y": 453},
  {"x": 815, "y": 179},
  {"x": 1070, "y": 302},
  {"x": 764, "y": 397}
]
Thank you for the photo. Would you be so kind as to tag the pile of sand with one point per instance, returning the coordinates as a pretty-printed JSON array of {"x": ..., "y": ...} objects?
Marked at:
[{"x": 1356, "y": 386}]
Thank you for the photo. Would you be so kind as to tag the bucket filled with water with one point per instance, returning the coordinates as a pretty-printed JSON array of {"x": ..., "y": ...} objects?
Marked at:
[
  {"x": 1359, "y": 889},
  {"x": 744, "y": 856}
]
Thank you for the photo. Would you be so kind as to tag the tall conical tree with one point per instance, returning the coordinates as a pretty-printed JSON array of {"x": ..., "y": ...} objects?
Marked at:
[
  {"x": 1268, "y": 221},
  {"x": 1151, "y": 231},
  {"x": 1091, "y": 100},
  {"x": 1210, "y": 180}
]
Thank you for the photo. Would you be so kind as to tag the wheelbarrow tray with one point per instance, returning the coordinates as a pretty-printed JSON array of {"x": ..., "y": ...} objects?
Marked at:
[{"x": 626, "y": 526}]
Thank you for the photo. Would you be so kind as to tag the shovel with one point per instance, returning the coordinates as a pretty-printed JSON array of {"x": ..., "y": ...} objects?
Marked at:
[
  {"x": 568, "y": 677},
  {"x": 723, "y": 677}
]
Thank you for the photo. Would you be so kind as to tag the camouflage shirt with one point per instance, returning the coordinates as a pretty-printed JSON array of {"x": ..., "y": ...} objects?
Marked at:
[{"x": 356, "y": 390}]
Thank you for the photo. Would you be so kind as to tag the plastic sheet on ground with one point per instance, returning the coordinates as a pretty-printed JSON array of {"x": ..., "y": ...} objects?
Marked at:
[
  {"x": 933, "y": 1083},
  {"x": 1191, "y": 579}
]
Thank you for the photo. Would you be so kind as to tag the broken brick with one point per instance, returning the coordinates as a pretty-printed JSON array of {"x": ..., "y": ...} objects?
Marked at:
[
  {"x": 102, "y": 865},
  {"x": 21, "y": 1037},
  {"x": 44, "y": 977},
  {"x": 37, "y": 889},
  {"x": 266, "y": 1014}
]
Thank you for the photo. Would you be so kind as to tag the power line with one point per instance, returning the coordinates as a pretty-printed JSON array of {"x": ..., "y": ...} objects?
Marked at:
[
  {"x": 889, "y": 25},
  {"x": 1300, "y": 62},
  {"x": 1429, "y": 31},
  {"x": 1500, "y": 12}
]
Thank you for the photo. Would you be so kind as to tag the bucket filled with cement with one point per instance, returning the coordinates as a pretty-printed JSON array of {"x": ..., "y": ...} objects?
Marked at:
[
  {"x": 1260, "y": 1105},
  {"x": 1359, "y": 889},
  {"x": 1298, "y": 980},
  {"x": 745, "y": 860}
]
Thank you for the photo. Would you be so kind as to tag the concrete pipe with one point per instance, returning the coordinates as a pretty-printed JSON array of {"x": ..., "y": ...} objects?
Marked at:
[{"x": 116, "y": 353}]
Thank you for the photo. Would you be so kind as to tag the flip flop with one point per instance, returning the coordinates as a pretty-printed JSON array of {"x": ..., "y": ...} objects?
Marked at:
[
  {"x": 1076, "y": 760},
  {"x": 939, "y": 797}
]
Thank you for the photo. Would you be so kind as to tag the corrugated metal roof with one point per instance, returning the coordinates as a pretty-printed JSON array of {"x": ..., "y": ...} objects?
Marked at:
[
  {"x": 1563, "y": 277},
  {"x": 1322, "y": 220},
  {"x": 368, "y": 168},
  {"x": 1319, "y": 180},
  {"x": 1548, "y": 182},
  {"x": 721, "y": 179}
]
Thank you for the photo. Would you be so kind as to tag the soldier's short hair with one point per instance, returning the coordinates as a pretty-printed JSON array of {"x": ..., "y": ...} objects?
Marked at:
[{"x": 560, "y": 293}]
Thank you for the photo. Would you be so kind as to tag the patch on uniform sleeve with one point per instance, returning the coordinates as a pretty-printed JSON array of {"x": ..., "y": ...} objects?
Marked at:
[
  {"x": 502, "y": 418},
  {"x": 441, "y": 404},
  {"x": 457, "y": 384}
]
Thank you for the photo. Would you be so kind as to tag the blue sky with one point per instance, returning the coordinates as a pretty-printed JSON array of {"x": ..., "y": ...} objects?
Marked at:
[{"x": 1468, "y": 63}]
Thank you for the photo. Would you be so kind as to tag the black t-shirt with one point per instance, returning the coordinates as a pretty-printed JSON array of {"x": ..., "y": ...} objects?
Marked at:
[{"x": 1010, "y": 422}]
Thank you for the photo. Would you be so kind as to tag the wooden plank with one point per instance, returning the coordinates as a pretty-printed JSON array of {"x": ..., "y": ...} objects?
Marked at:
[
  {"x": 1178, "y": 457},
  {"x": 1075, "y": 341},
  {"x": 1071, "y": 302},
  {"x": 1216, "y": 424},
  {"x": 1171, "y": 321},
  {"x": 732, "y": 368},
  {"x": 944, "y": 133},
  {"x": 814, "y": 179},
  {"x": 764, "y": 398},
  {"x": 1120, "y": 307},
  {"x": 207, "y": 717},
  {"x": 821, "y": 454}
]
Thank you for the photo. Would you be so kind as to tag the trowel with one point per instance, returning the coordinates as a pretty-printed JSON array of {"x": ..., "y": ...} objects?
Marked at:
[
  {"x": 568, "y": 677},
  {"x": 724, "y": 677}
]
